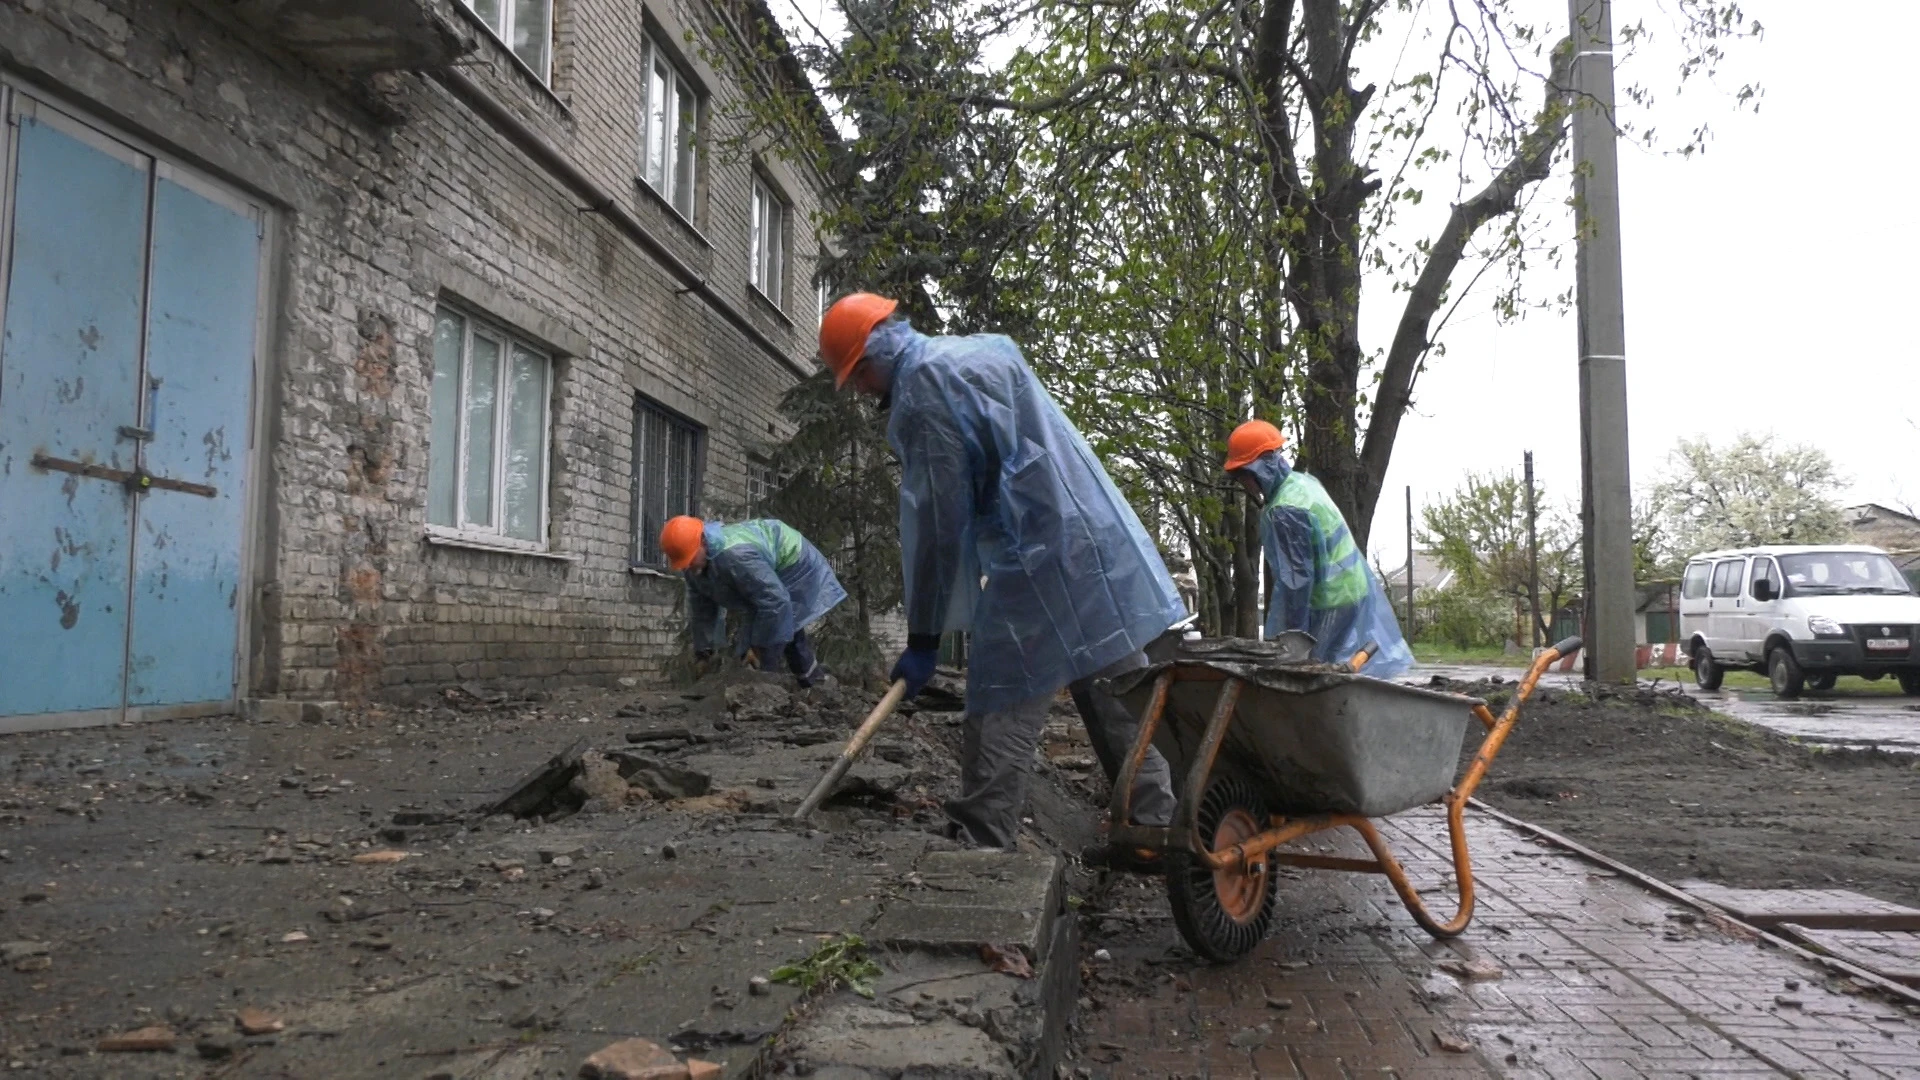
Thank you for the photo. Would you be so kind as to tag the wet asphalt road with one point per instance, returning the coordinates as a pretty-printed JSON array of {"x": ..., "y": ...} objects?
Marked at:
[{"x": 1889, "y": 721}]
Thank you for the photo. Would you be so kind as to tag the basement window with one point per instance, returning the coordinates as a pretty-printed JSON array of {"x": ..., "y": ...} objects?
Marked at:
[
  {"x": 487, "y": 463},
  {"x": 667, "y": 465},
  {"x": 526, "y": 26}
]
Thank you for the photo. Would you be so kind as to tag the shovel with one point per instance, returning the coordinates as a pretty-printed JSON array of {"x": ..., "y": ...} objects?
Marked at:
[{"x": 861, "y": 738}]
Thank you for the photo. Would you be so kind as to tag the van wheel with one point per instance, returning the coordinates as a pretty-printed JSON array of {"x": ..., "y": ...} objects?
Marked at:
[
  {"x": 1785, "y": 673},
  {"x": 1707, "y": 672},
  {"x": 1910, "y": 682},
  {"x": 1822, "y": 683}
]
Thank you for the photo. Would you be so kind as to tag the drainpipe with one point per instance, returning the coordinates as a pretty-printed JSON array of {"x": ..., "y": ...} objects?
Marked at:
[{"x": 535, "y": 146}]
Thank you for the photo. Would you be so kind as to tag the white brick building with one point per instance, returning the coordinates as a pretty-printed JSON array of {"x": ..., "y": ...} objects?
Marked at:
[{"x": 488, "y": 312}]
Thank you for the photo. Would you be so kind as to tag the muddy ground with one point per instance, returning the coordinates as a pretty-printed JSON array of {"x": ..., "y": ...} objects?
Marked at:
[
  {"x": 339, "y": 877},
  {"x": 1657, "y": 781}
]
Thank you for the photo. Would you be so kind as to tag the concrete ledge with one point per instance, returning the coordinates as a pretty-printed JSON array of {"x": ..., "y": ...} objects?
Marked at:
[
  {"x": 967, "y": 899},
  {"x": 285, "y": 711}
]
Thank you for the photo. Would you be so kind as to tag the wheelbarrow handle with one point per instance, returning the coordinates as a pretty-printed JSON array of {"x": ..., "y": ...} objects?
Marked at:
[{"x": 1365, "y": 654}]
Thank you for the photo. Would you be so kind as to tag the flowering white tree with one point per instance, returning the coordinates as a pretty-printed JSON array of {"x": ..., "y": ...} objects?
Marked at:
[{"x": 1752, "y": 492}]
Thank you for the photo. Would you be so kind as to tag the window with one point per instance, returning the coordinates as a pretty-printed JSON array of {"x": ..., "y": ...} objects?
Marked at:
[
  {"x": 1762, "y": 571},
  {"x": 525, "y": 25},
  {"x": 666, "y": 475},
  {"x": 669, "y": 123},
  {"x": 765, "y": 252},
  {"x": 760, "y": 485},
  {"x": 1695, "y": 586},
  {"x": 487, "y": 465},
  {"x": 1726, "y": 577},
  {"x": 823, "y": 296}
]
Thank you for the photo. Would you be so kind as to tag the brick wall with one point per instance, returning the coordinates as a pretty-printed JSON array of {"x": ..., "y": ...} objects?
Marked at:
[{"x": 376, "y": 223}]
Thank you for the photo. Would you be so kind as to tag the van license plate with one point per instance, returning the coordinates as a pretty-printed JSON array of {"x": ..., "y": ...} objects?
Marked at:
[{"x": 1887, "y": 644}]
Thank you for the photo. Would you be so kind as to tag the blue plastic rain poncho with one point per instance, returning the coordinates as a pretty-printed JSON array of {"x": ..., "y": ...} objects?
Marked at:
[
  {"x": 1321, "y": 581},
  {"x": 996, "y": 483},
  {"x": 766, "y": 571}
]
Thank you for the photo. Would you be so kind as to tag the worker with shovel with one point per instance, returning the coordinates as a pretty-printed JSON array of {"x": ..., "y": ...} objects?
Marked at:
[
  {"x": 1009, "y": 529},
  {"x": 1321, "y": 582},
  {"x": 765, "y": 571}
]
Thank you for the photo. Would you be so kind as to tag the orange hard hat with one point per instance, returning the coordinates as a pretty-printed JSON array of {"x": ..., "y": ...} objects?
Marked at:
[
  {"x": 844, "y": 330},
  {"x": 1249, "y": 441},
  {"x": 680, "y": 540}
]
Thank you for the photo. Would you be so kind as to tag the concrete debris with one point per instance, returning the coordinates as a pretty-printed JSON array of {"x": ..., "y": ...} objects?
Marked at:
[
  {"x": 1007, "y": 960},
  {"x": 294, "y": 937},
  {"x": 252, "y": 1021},
  {"x": 599, "y": 784},
  {"x": 660, "y": 779},
  {"x": 759, "y": 986},
  {"x": 1451, "y": 1043},
  {"x": 15, "y": 951},
  {"x": 380, "y": 858},
  {"x": 1474, "y": 970},
  {"x": 757, "y": 702},
  {"x": 152, "y": 1039},
  {"x": 633, "y": 1059},
  {"x": 537, "y": 791},
  {"x": 703, "y": 1070},
  {"x": 1250, "y": 1038}
]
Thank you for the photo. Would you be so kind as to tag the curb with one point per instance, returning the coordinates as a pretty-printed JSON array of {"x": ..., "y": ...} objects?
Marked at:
[{"x": 1680, "y": 896}]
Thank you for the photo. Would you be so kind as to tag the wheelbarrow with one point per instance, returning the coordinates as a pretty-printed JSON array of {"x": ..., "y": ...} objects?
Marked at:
[{"x": 1275, "y": 748}]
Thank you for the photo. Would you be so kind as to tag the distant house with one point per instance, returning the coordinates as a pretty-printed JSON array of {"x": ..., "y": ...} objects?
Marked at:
[
  {"x": 1890, "y": 530},
  {"x": 1428, "y": 575}
]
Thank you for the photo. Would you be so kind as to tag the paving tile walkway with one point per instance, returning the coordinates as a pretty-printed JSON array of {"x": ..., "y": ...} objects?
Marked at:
[{"x": 1596, "y": 977}]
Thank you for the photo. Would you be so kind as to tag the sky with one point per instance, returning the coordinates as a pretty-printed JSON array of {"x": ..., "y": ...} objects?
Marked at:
[{"x": 1764, "y": 279}]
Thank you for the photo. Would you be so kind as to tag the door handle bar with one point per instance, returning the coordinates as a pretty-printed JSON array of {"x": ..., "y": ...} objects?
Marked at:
[{"x": 136, "y": 480}]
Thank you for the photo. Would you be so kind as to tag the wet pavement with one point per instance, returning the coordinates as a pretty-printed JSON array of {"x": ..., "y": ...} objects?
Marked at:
[
  {"x": 1888, "y": 721},
  {"x": 1568, "y": 971}
]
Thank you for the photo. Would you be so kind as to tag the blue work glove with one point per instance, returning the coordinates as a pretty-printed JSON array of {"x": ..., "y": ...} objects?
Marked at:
[{"x": 916, "y": 664}]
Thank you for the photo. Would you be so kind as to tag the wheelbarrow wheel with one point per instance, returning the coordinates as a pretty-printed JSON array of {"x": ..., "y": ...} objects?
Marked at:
[{"x": 1223, "y": 914}]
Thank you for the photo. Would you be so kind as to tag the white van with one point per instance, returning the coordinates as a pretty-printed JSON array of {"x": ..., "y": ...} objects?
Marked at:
[{"x": 1801, "y": 615}]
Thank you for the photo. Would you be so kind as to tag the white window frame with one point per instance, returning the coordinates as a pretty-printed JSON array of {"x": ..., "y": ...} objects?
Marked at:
[
  {"x": 766, "y": 241},
  {"x": 646, "y": 534},
  {"x": 493, "y": 534},
  {"x": 668, "y": 182},
  {"x": 823, "y": 298},
  {"x": 509, "y": 11}
]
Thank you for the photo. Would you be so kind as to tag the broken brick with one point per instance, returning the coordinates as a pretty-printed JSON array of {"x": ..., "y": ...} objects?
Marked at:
[
  {"x": 633, "y": 1059},
  {"x": 143, "y": 1040}
]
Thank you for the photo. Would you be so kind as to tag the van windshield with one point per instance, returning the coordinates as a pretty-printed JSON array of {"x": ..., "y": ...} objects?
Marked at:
[{"x": 1842, "y": 572}]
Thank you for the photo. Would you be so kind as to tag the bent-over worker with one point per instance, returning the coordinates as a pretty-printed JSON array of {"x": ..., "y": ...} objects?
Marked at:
[
  {"x": 1321, "y": 582},
  {"x": 764, "y": 570},
  {"x": 996, "y": 484}
]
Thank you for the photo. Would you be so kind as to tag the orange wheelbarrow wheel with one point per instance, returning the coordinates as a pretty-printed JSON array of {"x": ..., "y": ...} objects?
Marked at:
[{"x": 1223, "y": 914}]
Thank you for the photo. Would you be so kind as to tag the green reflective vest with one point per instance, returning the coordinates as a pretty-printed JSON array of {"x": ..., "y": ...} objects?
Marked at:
[{"x": 1340, "y": 575}]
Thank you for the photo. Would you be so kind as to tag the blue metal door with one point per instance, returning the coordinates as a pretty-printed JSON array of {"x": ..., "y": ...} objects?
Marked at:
[
  {"x": 69, "y": 370},
  {"x": 200, "y": 338},
  {"x": 126, "y": 366}
]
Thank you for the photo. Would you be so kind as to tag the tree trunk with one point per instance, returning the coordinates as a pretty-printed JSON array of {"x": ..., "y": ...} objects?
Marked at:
[{"x": 1246, "y": 568}]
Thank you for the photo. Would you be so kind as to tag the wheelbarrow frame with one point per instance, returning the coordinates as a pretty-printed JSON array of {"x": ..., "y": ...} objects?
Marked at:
[{"x": 1253, "y": 854}]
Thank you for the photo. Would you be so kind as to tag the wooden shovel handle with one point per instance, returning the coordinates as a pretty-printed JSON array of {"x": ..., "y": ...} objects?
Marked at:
[{"x": 861, "y": 737}]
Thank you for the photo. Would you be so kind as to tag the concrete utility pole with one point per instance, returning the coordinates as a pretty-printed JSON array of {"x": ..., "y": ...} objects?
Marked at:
[
  {"x": 1606, "y": 504},
  {"x": 1533, "y": 556}
]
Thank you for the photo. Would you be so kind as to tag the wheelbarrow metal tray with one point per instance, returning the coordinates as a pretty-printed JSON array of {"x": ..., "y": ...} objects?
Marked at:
[{"x": 1314, "y": 739}]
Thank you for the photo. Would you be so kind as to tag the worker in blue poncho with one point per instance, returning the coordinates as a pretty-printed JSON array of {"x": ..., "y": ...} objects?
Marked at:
[
  {"x": 1320, "y": 580},
  {"x": 1010, "y": 530},
  {"x": 765, "y": 572}
]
